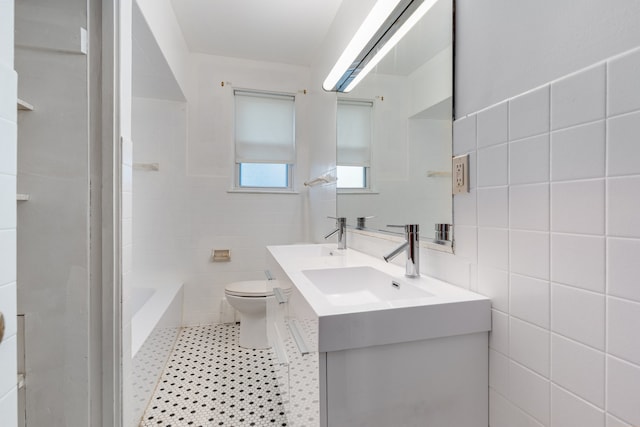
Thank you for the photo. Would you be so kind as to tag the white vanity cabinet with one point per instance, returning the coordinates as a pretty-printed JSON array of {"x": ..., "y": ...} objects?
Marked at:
[
  {"x": 293, "y": 330},
  {"x": 392, "y": 364}
]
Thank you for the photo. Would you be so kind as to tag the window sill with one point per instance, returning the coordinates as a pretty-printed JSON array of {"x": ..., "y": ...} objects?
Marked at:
[
  {"x": 262, "y": 191},
  {"x": 356, "y": 191}
]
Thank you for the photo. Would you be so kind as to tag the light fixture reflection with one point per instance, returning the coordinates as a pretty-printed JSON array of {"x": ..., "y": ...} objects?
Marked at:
[{"x": 382, "y": 29}]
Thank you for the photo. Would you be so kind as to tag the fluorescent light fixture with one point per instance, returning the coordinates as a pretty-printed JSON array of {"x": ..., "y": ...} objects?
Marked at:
[{"x": 382, "y": 29}]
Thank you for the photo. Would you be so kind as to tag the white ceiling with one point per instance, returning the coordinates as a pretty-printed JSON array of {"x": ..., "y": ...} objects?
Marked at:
[{"x": 286, "y": 31}]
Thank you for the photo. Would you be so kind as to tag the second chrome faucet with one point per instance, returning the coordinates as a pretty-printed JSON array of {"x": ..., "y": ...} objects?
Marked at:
[
  {"x": 341, "y": 229},
  {"x": 412, "y": 247}
]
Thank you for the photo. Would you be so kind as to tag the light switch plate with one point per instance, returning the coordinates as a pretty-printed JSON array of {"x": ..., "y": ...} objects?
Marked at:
[{"x": 460, "y": 173}]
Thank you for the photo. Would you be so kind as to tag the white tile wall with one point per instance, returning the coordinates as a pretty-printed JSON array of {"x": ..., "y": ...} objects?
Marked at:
[
  {"x": 623, "y": 268},
  {"x": 623, "y": 389},
  {"x": 623, "y": 149},
  {"x": 493, "y": 125},
  {"x": 529, "y": 160},
  {"x": 578, "y": 98},
  {"x": 529, "y": 207},
  {"x": 584, "y": 143},
  {"x": 529, "y": 346},
  {"x": 529, "y": 114},
  {"x": 578, "y": 315},
  {"x": 529, "y": 300},
  {"x": 569, "y": 410},
  {"x": 562, "y": 269}
]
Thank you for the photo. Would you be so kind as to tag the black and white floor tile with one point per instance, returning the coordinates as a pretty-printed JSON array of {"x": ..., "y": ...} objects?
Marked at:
[{"x": 211, "y": 381}]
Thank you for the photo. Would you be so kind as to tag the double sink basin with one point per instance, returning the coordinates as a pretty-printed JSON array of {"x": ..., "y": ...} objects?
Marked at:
[{"x": 360, "y": 301}]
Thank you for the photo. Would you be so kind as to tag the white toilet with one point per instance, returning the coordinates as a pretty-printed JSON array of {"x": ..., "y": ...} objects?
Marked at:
[{"x": 250, "y": 299}]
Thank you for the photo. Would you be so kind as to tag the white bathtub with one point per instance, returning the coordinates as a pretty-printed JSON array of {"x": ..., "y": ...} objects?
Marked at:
[
  {"x": 154, "y": 305},
  {"x": 155, "y": 324}
]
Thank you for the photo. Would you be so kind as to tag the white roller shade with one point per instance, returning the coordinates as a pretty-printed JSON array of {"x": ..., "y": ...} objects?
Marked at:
[
  {"x": 264, "y": 127},
  {"x": 353, "y": 123}
]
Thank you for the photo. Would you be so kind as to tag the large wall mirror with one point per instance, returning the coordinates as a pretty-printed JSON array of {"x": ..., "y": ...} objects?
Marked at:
[{"x": 394, "y": 133}]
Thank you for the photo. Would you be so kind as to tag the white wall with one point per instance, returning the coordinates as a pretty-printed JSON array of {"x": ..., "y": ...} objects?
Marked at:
[
  {"x": 216, "y": 218},
  {"x": 162, "y": 21},
  {"x": 161, "y": 230},
  {"x": 8, "y": 161},
  {"x": 506, "y": 47}
]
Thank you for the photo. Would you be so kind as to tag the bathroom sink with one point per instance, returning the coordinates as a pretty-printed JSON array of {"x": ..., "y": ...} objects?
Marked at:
[
  {"x": 352, "y": 299},
  {"x": 316, "y": 250},
  {"x": 361, "y": 285}
]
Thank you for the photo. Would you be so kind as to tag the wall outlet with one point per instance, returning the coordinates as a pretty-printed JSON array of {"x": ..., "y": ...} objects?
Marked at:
[{"x": 460, "y": 172}]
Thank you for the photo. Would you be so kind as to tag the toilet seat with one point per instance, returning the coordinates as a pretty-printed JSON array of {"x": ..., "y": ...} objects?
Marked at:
[{"x": 251, "y": 288}]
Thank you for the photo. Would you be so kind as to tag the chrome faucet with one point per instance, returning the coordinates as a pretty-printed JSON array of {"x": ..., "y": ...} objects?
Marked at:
[
  {"x": 412, "y": 246},
  {"x": 341, "y": 229}
]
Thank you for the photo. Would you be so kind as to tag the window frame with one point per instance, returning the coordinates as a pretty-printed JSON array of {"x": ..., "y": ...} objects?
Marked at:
[
  {"x": 236, "y": 186},
  {"x": 367, "y": 170}
]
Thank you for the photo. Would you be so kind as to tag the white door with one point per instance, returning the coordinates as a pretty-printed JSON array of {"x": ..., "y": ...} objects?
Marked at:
[{"x": 8, "y": 141}]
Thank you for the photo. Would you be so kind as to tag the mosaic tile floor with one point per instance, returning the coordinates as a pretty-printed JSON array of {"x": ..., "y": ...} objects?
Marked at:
[{"x": 211, "y": 381}]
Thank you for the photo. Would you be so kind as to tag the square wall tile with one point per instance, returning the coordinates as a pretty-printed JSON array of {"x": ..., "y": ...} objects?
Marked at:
[
  {"x": 578, "y": 368},
  {"x": 529, "y": 160},
  {"x": 578, "y": 152},
  {"x": 578, "y": 98},
  {"x": 464, "y": 135},
  {"x": 8, "y": 147},
  {"x": 578, "y": 261},
  {"x": 623, "y": 268},
  {"x": 530, "y": 392},
  {"x": 464, "y": 208},
  {"x": 622, "y": 79},
  {"x": 623, "y": 331},
  {"x": 529, "y": 346},
  {"x": 568, "y": 410},
  {"x": 499, "y": 334},
  {"x": 623, "y": 206},
  {"x": 529, "y": 207},
  {"x": 529, "y": 300},
  {"x": 623, "y": 150},
  {"x": 499, "y": 372},
  {"x": 495, "y": 285},
  {"x": 530, "y": 253},
  {"x": 578, "y": 314},
  {"x": 493, "y": 166},
  {"x": 466, "y": 242},
  {"x": 493, "y": 207},
  {"x": 578, "y": 207},
  {"x": 529, "y": 114},
  {"x": 503, "y": 413},
  {"x": 493, "y": 248},
  {"x": 493, "y": 125},
  {"x": 623, "y": 389}
]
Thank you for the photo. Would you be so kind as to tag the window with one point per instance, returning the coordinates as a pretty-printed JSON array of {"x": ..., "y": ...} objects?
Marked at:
[
  {"x": 264, "y": 139},
  {"x": 353, "y": 124}
]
